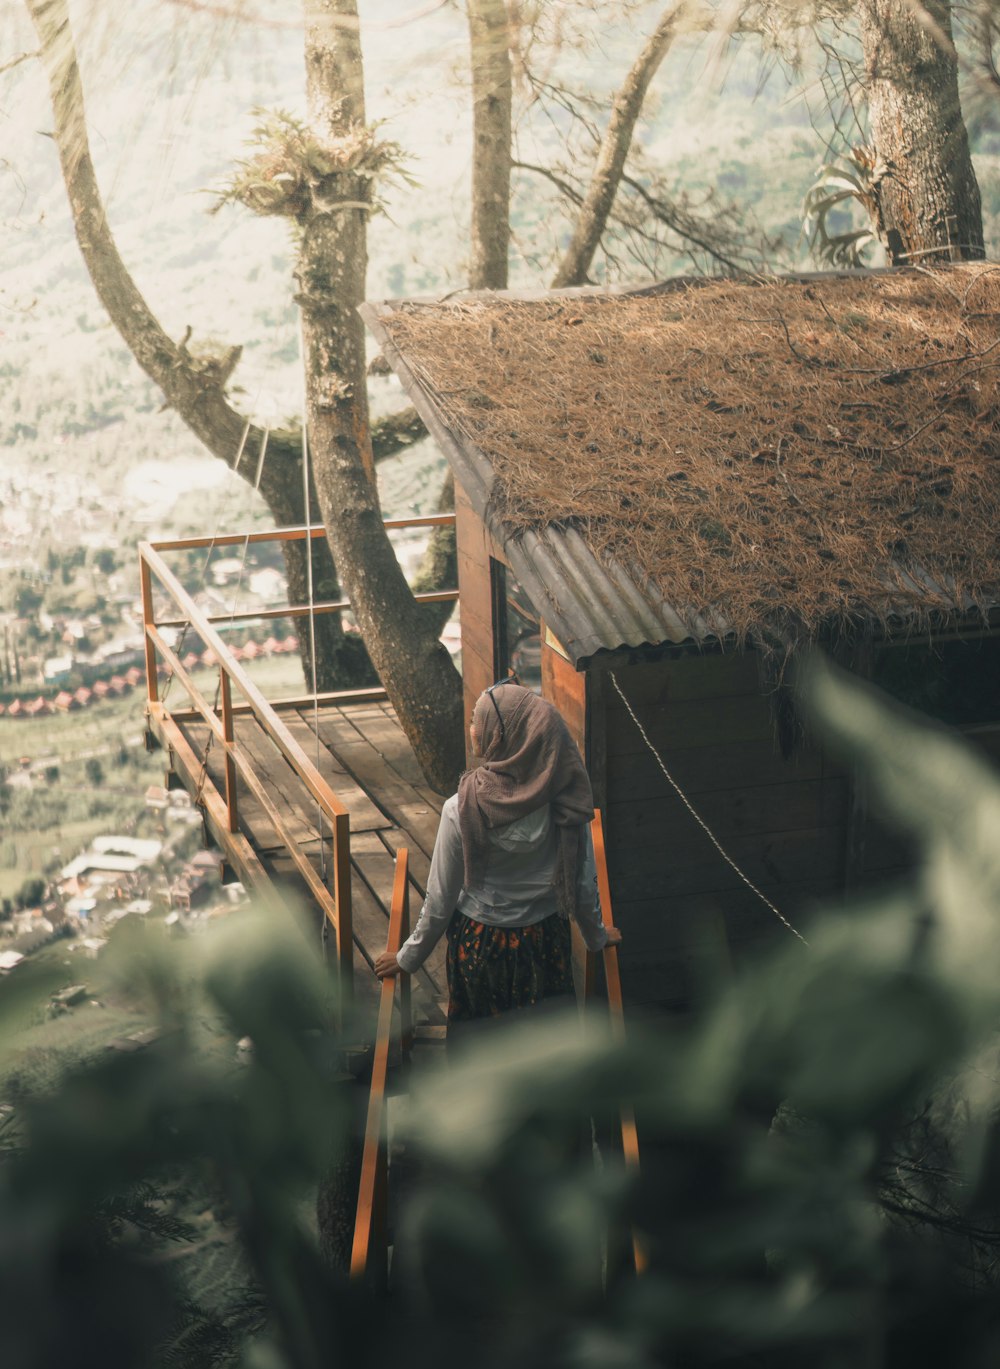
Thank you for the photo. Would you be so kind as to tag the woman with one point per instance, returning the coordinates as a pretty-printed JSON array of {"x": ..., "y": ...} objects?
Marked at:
[{"x": 512, "y": 863}]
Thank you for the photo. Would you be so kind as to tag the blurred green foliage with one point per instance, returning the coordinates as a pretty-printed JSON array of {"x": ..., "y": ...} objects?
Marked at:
[{"x": 820, "y": 1178}]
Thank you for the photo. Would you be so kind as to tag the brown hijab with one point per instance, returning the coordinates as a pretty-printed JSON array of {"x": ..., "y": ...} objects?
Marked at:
[{"x": 529, "y": 762}]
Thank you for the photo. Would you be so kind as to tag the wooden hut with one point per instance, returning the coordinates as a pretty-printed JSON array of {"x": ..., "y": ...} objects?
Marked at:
[{"x": 660, "y": 494}]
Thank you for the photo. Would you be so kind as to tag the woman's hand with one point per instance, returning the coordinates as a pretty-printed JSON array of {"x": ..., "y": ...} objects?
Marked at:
[
  {"x": 614, "y": 937},
  {"x": 386, "y": 966}
]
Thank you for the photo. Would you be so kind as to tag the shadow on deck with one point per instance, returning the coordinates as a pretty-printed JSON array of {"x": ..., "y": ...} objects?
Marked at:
[{"x": 364, "y": 756}]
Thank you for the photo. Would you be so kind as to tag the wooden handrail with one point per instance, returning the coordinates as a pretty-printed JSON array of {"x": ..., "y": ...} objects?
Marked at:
[
  {"x": 254, "y": 615},
  {"x": 370, "y": 1227},
  {"x": 292, "y": 534},
  {"x": 616, "y": 1009},
  {"x": 262, "y": 710}
]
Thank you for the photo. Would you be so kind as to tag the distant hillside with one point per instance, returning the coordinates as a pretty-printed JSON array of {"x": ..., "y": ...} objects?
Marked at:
[{"x": 171, "y": 92}]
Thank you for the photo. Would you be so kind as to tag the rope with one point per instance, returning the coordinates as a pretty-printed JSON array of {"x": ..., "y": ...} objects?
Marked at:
[
  {"x": 200, "y": 787},
  {"x": 307, "y": 503},
  {"x": 203, "y": 775},
  {"x": 698, "y": 818},
  {"x": 208, "y": 557},
  {"x": 246, "y": 546}
]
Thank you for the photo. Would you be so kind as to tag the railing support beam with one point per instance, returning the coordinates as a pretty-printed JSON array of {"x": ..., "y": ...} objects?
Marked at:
[
  {"x": 232, "y": 817},
  {"x": 370, "y": 1252},
  {"x": 616, "y": 1009},
  {"x": 146, "y": 583}
]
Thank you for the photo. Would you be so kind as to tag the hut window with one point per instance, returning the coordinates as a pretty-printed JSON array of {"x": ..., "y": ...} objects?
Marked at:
[
  {"x": 517, "y": 641},
  {"x": 957, "y": 682}
]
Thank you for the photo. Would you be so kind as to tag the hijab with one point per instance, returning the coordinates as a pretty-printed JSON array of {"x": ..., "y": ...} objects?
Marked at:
[{"x": 529, "y": 761}]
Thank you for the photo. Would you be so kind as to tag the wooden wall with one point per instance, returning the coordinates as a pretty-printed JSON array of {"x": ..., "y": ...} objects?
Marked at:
[
  {"x": 685, "y": 915},
  {"x": 563, "y": 685},
  {"x": 791, "y": 825}
]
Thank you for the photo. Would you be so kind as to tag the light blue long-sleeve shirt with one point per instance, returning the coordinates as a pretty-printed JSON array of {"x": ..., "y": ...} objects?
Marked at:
[{"x": 518, "y": 889}]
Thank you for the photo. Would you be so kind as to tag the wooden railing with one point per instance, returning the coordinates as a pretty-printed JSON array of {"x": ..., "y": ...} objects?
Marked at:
[
  {"x": 370, "y": 1252},
  {"x": 246, "y": 539},
  {"x": 221, "y": 715},
  {"x": 616, "y": 1009}
]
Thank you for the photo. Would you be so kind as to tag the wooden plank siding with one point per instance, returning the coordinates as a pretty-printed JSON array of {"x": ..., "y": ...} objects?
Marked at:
[
  {"x": 567, "y": 689},
  {"x": 683, "y": 911},
  {"x": 685, "y": 915}
]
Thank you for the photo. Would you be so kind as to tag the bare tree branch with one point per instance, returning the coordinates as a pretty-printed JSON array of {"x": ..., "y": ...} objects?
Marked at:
[
  {"x": 686, "y": 226},
  {"x": 16, "y": 61},
  {"x": 626, "y": 107}
]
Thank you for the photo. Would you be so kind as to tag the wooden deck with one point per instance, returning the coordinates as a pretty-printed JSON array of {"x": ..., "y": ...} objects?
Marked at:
[{"x": 361, "y": 751}]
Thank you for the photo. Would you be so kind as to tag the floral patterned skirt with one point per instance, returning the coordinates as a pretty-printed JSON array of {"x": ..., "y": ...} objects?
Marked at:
[{"x": 493, "y": 969}]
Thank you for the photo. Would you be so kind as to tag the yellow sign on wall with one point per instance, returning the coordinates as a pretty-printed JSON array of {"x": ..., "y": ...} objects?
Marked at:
[{"x": 553, "y": 641}]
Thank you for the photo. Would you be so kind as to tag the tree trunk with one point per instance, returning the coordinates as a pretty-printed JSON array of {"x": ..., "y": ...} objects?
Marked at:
[
  {"x": 626, "y": 107},
  {"x": 194, "y": 386},
  {"x": 341, "y": 659},
  {"x": 489, "y": 43},
  {"x": 414, "y": 667},
  {"x": 927, "y": 195},
  {"x": 489, "y": 46}
]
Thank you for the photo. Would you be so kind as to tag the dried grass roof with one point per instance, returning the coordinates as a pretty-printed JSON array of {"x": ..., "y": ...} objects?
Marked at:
[{"x": 776, "y": 455}]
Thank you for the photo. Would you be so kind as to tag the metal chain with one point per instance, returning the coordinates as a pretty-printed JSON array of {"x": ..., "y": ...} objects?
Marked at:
[{"x": 699, "y": 819}]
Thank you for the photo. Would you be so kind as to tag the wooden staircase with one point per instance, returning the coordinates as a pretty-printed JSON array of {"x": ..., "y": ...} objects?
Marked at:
[{"x": 396, "y": 1042}]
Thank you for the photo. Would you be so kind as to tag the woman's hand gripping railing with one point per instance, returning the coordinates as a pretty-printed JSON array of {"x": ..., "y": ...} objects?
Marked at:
[
  {"x": 370, "y": 1252},
  {"x": 616, "y": 1010}
]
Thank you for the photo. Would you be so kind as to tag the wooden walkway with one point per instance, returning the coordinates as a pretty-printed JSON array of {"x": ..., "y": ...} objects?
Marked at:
[{"x": 361, "y": 751}]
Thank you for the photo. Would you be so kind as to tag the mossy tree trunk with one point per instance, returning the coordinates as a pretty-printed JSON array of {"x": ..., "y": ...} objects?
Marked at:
[
  {"x": 927, "y": 194},
  {"x": 489, "y": 48},
  {"x": 414, "y": 667}
]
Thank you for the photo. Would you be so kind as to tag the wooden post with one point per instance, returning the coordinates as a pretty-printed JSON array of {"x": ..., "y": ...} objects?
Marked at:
[
  {"x": 341, "y": 824},
  {"x": 146, "y": 583},
  {"x": 232, "y": 816},
  {"x": 369, "y": 1253},
  {"x": 405, "y": 982},
  {"x": 629, "y": 1134}
]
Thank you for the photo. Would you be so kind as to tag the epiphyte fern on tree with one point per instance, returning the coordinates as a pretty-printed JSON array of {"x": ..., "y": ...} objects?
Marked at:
[
  {"x": 851, "y": 178},
  {"x": 295, "y": 175}
]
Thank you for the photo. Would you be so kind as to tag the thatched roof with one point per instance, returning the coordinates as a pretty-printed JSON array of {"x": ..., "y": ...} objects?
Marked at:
[{"x": 763, "y": 459}]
